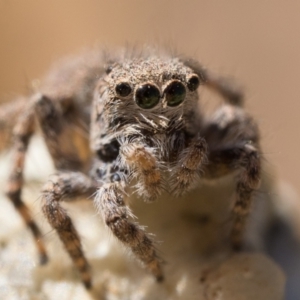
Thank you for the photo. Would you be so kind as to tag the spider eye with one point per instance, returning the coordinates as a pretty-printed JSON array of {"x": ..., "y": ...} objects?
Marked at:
[
  {"x": 123, "y": 89},
  {"x": 193, "y": 82},
  {"x": 147, "y": 96},
  {"x": 175, "y": 93}
]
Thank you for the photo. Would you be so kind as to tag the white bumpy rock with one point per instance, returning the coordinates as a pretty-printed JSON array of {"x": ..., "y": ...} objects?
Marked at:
[{"x": 194, "y": 244}]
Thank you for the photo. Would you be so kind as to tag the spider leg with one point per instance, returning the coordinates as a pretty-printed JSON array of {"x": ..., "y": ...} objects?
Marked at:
[
  {"x": 58, "y": 134},
  {"x": 68, "y": 186},
  {"x": 187, "y": 171},
  {"x": 246, "y": 159},
  {"x": 233, "y": 142},
  {"x": 115, "y": 213},
  {"x": 223, "y": 86},
  {"x": 145, "y": 168},
  {"x": 21, "y": 136},
  {"x": 9, "y": 113}
]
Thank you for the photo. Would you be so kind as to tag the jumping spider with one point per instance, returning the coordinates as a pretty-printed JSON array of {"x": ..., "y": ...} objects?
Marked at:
[{"x": 146, "y": 131}]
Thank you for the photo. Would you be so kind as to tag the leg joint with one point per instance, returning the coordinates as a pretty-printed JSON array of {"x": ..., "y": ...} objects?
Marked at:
[{"x": 15, "y": 197}]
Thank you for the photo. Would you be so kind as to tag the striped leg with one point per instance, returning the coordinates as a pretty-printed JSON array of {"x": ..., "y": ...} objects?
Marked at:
[
  {"x": 22, "y": 133},
  {"x": 246, "y": 159},
  {"x": 68, "y": 186},
  {"x": 115, "y": 214}
]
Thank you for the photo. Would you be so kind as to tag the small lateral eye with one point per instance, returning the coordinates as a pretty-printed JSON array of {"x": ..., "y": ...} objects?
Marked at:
[
  {"x": 147, "y": 96},
  {"x": 175, "y": 93},
  {"x": 193, "y": 82},
  {"x": 123, "y": 89}
]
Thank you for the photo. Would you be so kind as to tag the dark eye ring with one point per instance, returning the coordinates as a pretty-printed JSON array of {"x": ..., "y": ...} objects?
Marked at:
[
  {"x": 147, "y": 95},
  {"x": 193, "y": 82},
  {"x": 123, "y": 89},
  {"x": 175, "y": 93}
]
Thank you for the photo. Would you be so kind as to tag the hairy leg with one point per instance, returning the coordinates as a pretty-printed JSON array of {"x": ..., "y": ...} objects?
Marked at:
[
  {"x": 187, "y": 170},
  {"x": 246, "y": 159},
  {"x": 55, "y": 135},
  {"x": 223, "y": 86},
  {"x": 233, "y": 142},
  {"x": 58, "y": 135},
  {"x": 62, "y": 187},
  {"x": 115, "y": 213},
  {"x": 144, "y": 166},
  {"x": 9, "y": 113},
  {"x": 21, "y": 136}
]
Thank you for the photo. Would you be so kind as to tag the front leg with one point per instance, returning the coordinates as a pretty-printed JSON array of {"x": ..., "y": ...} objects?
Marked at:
[
  {"x": 187, "y": 170},
  {"x": 115, "y": 213}
]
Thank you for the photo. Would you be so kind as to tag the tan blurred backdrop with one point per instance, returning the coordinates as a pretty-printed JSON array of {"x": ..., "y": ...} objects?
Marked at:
[{"x": 258, "y": 42}]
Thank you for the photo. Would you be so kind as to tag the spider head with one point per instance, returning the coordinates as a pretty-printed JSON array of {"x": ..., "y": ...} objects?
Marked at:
[{"x": 150, "y": 93}]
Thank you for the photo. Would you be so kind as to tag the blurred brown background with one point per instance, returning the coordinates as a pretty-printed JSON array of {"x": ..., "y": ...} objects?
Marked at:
[{"x": 258, "y": 42}]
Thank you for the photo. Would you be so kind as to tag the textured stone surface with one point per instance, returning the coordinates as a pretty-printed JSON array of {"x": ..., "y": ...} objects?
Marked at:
[
  {"x": 192, "y": 235},
  {"x": 246, "y": 276}
]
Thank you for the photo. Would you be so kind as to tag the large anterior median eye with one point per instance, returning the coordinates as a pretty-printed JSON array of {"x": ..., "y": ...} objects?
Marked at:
[
  {"x": 147, "y": 96},
  {"x": 123, "y": 89},
  {"x": 175, "y": 93}
]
